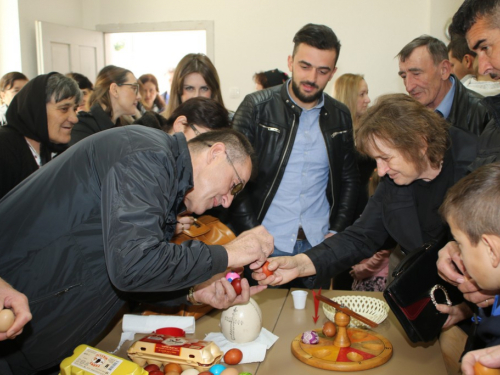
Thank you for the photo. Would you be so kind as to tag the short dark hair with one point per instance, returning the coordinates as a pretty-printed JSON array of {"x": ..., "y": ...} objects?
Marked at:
[
  {"x": 436, "y": 48},
  {"x": 201, "y": 111},
  {"x": 317, "y": 36},
  {"x": 83, "y": 82},
  {"x": 473, "y": 203},
  {"x": 407, "y": 126},
  {"x": 458, "y": 47},
  {"x": 469, "y": 12},
  {"x": 237, "y": 144},
  {"x": 270, "y": 78}
]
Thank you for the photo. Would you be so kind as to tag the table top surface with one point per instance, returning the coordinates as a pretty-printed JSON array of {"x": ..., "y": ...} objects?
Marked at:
[{"x": 280, "y": 317}]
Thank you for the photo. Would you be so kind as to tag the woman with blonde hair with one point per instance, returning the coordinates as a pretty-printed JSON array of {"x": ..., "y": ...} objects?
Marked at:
[
  {"x": 195, "y": 75},
  {"x": 352, "y": 90}
]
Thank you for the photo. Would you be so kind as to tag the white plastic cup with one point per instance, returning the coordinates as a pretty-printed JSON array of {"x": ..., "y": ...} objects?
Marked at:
[{"x": 299, "y": 299}]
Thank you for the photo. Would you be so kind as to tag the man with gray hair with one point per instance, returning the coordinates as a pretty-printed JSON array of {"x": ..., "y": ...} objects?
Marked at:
[{"x": 426, "y": 73}]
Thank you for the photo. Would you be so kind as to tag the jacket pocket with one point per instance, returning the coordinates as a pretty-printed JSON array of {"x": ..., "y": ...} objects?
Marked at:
[
  {"x": 333, "y": 135},
  {"x": 270, "y": 128}
]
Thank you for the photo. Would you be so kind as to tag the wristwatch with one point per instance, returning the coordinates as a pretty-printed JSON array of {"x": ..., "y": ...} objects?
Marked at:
[{"x": 191, "y": 298}]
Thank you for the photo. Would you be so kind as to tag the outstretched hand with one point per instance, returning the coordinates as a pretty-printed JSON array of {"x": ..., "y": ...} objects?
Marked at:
[{"x": 284, "y": 269}]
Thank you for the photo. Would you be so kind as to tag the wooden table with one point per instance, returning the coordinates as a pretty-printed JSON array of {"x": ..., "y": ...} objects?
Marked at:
[
  {"x": 280, "y": 317},
  {"x": 407, "y": 358},
  {"x": 270, "y": 301}
]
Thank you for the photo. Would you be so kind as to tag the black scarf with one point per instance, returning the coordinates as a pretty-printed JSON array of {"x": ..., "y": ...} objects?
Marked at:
[{"x": 27, "y": 114}]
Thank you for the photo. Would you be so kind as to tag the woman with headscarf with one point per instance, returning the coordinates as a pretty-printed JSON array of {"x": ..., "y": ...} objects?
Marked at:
[{"x": 40, "y": 119}]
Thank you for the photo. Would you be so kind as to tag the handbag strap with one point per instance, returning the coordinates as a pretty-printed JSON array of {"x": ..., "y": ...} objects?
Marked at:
[{"x": 196, "y": 229}]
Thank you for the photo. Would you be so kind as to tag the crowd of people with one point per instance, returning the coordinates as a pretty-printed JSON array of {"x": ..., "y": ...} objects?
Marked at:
[{"x": 95, "y": 179}]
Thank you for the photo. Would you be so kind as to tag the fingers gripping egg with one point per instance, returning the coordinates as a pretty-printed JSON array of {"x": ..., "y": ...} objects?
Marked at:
[{"x": 6, "y": 319}]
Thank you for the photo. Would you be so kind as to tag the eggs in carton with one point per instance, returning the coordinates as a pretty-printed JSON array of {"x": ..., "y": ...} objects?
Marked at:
[{"x": 163, "y": 349}]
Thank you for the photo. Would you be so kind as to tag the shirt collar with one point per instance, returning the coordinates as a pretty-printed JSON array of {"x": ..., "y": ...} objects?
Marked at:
[
  {"x": 320, "y": 103},
  {"x": 445, "y": 106}
]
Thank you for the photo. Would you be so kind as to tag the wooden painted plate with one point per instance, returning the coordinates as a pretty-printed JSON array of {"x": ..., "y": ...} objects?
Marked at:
[{"x": 368, "y": 350}]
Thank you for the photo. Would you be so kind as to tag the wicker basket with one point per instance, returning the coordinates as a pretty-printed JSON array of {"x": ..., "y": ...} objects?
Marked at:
[{"x": 371, "y": 308}]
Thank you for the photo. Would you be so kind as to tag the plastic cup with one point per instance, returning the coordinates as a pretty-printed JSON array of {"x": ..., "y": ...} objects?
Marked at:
[{"x": 299, "y": 299}]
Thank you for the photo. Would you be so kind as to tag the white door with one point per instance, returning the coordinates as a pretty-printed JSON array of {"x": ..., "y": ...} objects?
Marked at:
[{"x": 67, "y": 49}]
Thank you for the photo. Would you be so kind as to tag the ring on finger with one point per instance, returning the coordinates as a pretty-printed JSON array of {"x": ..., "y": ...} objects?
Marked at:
[{"x": 486, "y": 301}]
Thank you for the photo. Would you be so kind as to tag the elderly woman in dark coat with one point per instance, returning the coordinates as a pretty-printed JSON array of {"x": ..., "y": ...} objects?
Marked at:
[{"x": 40, "y": 119}]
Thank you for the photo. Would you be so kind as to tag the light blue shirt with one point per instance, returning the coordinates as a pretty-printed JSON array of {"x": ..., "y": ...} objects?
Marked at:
[
  {"x": 301, "y": 197},
  {"x": 445, "y": 106}
]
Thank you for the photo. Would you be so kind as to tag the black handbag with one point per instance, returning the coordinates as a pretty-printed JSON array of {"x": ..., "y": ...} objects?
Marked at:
[{"x": 416, "y": 289}]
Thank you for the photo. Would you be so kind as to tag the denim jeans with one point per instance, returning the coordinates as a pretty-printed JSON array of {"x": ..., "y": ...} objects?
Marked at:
[{"x": 300, "y": 247}]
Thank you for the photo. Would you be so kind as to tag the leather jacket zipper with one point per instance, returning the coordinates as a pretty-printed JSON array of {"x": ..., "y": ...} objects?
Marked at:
[{"x": 279, "y": 168}]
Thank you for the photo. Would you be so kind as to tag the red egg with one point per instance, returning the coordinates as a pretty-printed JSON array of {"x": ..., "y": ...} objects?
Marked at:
[
  {"x": 236, "y": 283},
  {"x": 233, "y": 356},
  {"x": 265, "y": 270},
  {"x": 151, "y": 368},
  {"x": 156, "y": 372}
]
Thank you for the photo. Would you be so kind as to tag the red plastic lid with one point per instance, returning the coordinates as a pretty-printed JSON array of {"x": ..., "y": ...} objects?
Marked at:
[{"x": 171, "y": 331}]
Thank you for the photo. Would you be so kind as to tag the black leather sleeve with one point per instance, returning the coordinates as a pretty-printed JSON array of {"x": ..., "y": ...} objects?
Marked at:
[
  {"x": 241, "y": 214},
  {"x": 349, "y": 190},
  {"x": 359, "y": 241}
]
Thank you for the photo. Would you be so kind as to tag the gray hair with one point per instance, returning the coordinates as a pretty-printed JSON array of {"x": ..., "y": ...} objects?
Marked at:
[
  {"x": 60, "y": 87},
  {"x": 436, "y": 48}
]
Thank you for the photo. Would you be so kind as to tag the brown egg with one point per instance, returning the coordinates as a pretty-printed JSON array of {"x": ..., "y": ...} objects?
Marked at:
[
  {"x": 480, "y": 369},
  {"x": 171, "y": 373},
  {"x": 329, "y": 329},
  {"x": 173, "y": 367},
  {"x": 6, "y": 319},
  {"x": 233, "y": 356}
]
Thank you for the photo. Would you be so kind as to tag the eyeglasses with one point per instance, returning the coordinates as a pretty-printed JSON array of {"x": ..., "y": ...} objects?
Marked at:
[
  {"x": 196, "y": 131},
  {"x": 135, "y": 86},
  {"x": 237, "y": 188}
]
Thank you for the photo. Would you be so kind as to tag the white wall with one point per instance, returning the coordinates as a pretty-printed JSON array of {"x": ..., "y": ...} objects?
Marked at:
[
  {"x": 63, "y": 12},
  {"x": 10, "y": 55},
  {"x": 251, "y": 36}
]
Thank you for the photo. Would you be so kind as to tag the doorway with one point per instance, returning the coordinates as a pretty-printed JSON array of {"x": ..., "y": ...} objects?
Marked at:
[{"x": 156, "y": 53}]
